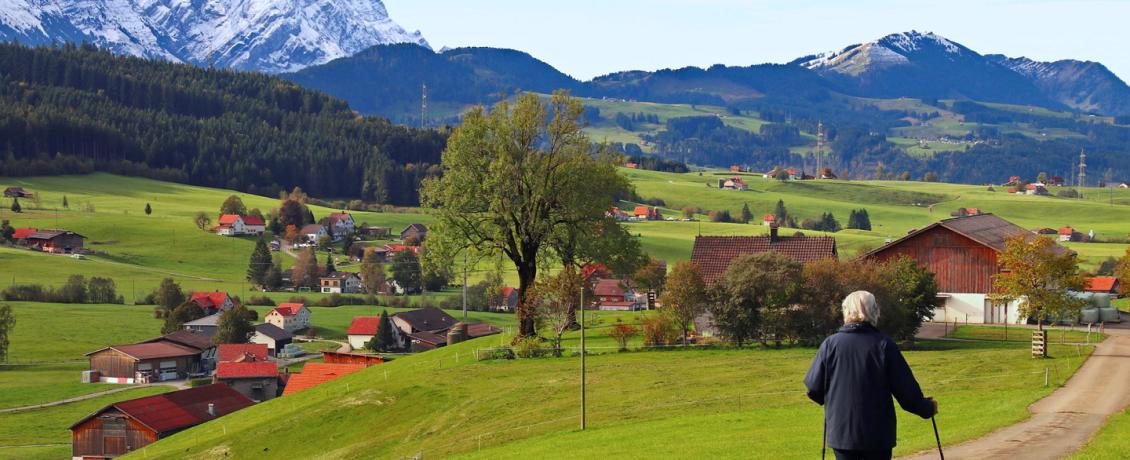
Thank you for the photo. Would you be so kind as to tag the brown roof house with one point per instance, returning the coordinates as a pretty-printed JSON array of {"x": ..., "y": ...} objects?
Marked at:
[
  {"x": 962, "y": 253},
  {"x": 55, "y": 241},
  {"x": 417, "y": 231},
  {"x": 427, "y": 328},
  {"x": 126, "y": 426},
  {"x": 142, "y": 362},
  {"x": 713, "y": 254}
]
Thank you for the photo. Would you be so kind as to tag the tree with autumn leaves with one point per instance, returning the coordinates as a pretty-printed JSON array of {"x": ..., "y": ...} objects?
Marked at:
[{"x": 1041, "y": 275}]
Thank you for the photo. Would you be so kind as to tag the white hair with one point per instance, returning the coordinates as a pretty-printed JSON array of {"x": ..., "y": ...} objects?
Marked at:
[{"x": 860, "y": 307}]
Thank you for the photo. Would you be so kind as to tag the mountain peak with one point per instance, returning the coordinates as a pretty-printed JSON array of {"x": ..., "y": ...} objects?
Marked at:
[{"x": 265, "y": 35}]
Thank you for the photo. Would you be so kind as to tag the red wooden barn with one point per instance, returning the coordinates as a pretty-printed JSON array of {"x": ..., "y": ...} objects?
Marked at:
[
  {"x": 126, "y": 426},
  {"x": 962, "y": 253}
]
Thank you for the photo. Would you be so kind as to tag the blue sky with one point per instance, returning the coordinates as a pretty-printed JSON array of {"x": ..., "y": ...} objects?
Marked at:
[{"x": 585, "y": 38}]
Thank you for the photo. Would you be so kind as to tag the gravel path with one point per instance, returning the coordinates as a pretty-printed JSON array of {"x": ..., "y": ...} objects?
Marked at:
[{"x": 1064, "y": 421}]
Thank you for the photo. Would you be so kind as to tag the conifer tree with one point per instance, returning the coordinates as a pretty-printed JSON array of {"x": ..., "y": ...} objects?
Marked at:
[
  {"x": 148, "y": 209},
  {"x": 747, "y": 215},
  {"x": 65, "y": 204},
  {"x": 260, "y": 264},
  {"x": 16, "y": 205}
]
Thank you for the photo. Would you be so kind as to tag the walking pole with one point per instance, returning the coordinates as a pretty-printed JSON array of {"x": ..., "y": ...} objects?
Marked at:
[{"x": 938, "y": 439}]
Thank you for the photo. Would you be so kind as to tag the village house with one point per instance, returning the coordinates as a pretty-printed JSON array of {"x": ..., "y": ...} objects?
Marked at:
[
  {"x": 246, "y": 368},
  {"x": 237, "y": 225},
  {"x": 631, "y": 165},
  {"x": 963, "y": 254},
  {"x": 713, "y": 254},
  {"x": 290, "y": 317},
  {"x": 172, "y": 356},
  {"x": 213, "y": 302},
  {"x": 126, "y": 426},
  {"x": 646, "y": 213},
  {"x": 1103, "y": 285},
  {"x": 612, "y": 295},
  {"x": 312, "y": 233},
  {"x": 363, "y": 329},
  {"x": 1035, "y": 188},
  {"x": 1066, "y": 234},
  {"x": 417, "y": 232},
  {"x": 205, "y": 326},
  {"x": 618, "y": 214},
  {"x": 55, "y": 241},
  {"x": 339, "y": 225},
  {"x": 376, "y": 232},
  {"x": 274, "y": 337},
  {"x": 505, "y": 301},
  {"x": 341, "y": 283},
  {"x": 17, "y": 192},
  {"x": 768, "y": 220},
  {"x": 314, "y": 374},
  {"x": 733, "y": 183}
]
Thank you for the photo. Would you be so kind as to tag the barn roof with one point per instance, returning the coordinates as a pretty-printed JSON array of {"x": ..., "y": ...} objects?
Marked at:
[
  {"x": 364, "y": 325},
  {"x": 427, "y": 319},
  {"x": 247, "y": 369},
  {"x": 1101, "y": 284},
  {"x": 608, "y": 287},
  {"x": 713, "y": 254},
  {"x": 185, "y": 338},
  {"x": 273, "y": 332},
  {"x": 151, "y": 350},
  {"x": 986, "y": 229},
  {"x": 51, "y": 234},
  {"x": 314, "y": 374},
  {"x": 169, "y": 412},
  {"x": 233, "y": 351}
]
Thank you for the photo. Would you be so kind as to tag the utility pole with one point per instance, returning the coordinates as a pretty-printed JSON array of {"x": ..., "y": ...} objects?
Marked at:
[
  {"x": 820, "y": 149},
  {"x": 582, "y": 305},
  {"x": 1082, "y": 171},
  {"x": 464, "y": 285}
]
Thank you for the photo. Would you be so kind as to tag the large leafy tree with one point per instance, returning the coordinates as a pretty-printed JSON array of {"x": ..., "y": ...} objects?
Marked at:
[
  {"x": 522, "y": 180},
  {"x": 754, "y": 297},
  {"x": 234, "y": 326},
  {"x": 405, "y": 271},
  {"x": 372, "y": 271},
  {"x": 684, "y": 296},
  {"x": 233, "y": 205},
  {"x": 305, "y": 272},
  {"x": 1040, "y": 277},
  {"x": 558, "y": 297}
]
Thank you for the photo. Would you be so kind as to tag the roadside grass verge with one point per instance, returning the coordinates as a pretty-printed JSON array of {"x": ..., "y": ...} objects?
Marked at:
[{"x": 1024, "y": 334}]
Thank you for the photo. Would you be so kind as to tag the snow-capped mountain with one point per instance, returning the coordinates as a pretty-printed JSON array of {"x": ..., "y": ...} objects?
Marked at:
[
  {"x": 922, "y": 64},
  {"x": 265, "y": 35},
  {"x": 1082, "y": 85}
]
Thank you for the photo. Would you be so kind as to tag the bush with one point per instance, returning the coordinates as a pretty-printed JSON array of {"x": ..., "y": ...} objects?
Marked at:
[
  {"x": 337, "y": 300},
  {"x": 261, "y": 301},
  {"x": 199, "y": 382},
  {"x": 530, "y": 347},
  {"x": 622, "y": 333},
  {"x": 1068, "y": 193},
  {"x": 496, "y": 353},
  {"x": 658, "y": 330},
  {"x": 27, "y": 293}
]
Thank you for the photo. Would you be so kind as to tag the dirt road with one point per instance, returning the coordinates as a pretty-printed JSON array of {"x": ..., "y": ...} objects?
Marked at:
[{"x": 1065, "y": 420}]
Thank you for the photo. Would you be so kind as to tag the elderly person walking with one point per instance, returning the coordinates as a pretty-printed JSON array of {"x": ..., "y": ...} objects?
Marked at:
[{"x": 854, "y": 375}]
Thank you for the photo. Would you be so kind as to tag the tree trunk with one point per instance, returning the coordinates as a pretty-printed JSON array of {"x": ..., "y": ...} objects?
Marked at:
[{"x": 527, "y": 275}]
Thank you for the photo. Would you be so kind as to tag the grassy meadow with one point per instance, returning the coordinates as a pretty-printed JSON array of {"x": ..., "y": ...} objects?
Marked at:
[
  {"x": 443, "y": 404},
  {"x": 1110, "y": 442}
]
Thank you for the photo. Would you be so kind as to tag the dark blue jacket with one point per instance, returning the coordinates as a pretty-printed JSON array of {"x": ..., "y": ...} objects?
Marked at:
[{"x": 854, "y": 375}]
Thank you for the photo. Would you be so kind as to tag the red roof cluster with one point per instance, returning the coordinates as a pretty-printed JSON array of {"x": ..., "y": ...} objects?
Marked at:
[
  {"x": 209, "y": 299},
  {"x": 288, "y": 309},
  {"x": 178, "y": 410},
  {"x": 314, "y": 374},
  {"x": 248, "y": 369},
  {"x": 233, "y": 351},
  {"x": 364, "y": 325},
  {"x": 1101, "y": 284},
  {"x": 713, "y": 254}
]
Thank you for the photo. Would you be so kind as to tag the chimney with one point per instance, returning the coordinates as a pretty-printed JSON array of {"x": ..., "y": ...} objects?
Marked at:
[
  {"x": 212, "y": 409},
  {"x": 773, "y": 231}
]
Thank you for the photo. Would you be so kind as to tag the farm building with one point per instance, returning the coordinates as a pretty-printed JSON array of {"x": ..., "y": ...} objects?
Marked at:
[
  {"x": 610, "y": 294},
  {"x": 713, "y": 254},
  {"x": 126, "y": 426},
  {"x": 236, "y": 225},
  {"x": 1067, "y": 234},
  {"x": 274, "y": 337},
  {"x": 238, "y": 352},
  {"x": 333, "y": 357},
  {"x": 144, "y": 362},
  {"x": 213, "y": 302},
  {"x": 428, "y": 340},
  {"x": 55, "y": 241},
  {"x": 17, "y": 192},
  {"x": 506, "y": 300},
  {"x": 205, "y": 326},
  {"x": 422, "y": 320},
  {"x": 340, "y": 283},
  {"x": 1103, "y": 285},
  {"x": 289, "y": 316},
  {"x": 415, "y": 231},
  {"x": 363, "y": 328},
  {"x": 314, "y": 374},
  {"x": 962, "y": 253},
  {"x": 22, "y": 233},
  {"x": 255, "y": 379},
  {"x": 376, "y": 232}
]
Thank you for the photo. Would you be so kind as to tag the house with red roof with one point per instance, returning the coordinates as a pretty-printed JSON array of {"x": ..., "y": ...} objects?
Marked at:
[
  {"x": 240, "y": 352},
  {"x": 1035, "y": 188},
  {"x": 768, "y": 220},
  {"x": 506, "y": 300},
  {"x": 247, "y": 368},
  {"x": 213, "y": 302},
  {"x": 314, "y": 374},
  {"x": 127, "y": 426},
  {"x": 236, "y": 225},
  {"x": 733, "y": 183},
  {"x": 1103, "y": 285},
  {"x": 1067, "y": 234},
  {"x": 713, "y": 254},
  {"x": 612, "y": 294},
  {"x": 290, "y": 317},
  {"x": 363, "y": 329}
]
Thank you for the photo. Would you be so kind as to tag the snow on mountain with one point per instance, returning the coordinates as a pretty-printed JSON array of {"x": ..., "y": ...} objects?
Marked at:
[
  {"x": 265, "y": 35},
  {"x": 891, "y": 50},
  {"x": 1082, "y": 85}
]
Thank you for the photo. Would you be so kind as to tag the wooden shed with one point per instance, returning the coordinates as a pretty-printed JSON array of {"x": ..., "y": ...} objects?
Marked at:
[
  {"x": 126, "y": 426},
  {"x": 143, "y": 362}
]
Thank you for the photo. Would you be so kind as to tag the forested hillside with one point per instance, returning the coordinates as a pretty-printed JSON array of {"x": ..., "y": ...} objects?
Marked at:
[{"x": 78, "y": 109}]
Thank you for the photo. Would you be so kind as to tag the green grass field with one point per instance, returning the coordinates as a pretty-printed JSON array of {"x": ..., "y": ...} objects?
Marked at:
[
  {"x": 1021, "y": 334},
  {"x": 640, "y": 404}
]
